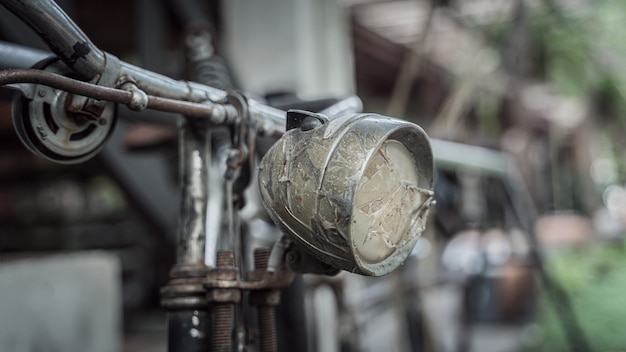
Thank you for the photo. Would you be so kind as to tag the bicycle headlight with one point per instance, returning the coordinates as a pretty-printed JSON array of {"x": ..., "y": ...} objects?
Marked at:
[{"x": 354, "y": 192}]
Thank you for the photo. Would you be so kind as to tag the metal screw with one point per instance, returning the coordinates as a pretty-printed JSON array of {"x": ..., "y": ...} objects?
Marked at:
[
  {"x": 223, "y": 318},
  {"x": 267, "y": 328},
  {"x": 266, "y": 313},
  {"x": 261, "y": 258},
  {"x": 42, "y": 132},
  {"x": 225, "y": 259},
  {"x": 223, "y": 325}
]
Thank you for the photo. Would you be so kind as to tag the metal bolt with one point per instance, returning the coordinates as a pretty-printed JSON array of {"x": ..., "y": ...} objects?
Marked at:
[
  {"x": 266, "y": 313},
  {"x": 267, "y": 328},
  {"x": 261, "y": 258},
  {"x": 225, "y": 259},
  {"x": 223, "y": 318},
  {"x": 42, "y": 132},
  {"x": 223, "y": 326}
]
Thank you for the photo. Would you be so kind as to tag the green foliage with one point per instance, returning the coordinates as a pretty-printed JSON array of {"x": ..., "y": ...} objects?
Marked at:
[
  {"x": 487, "y": 109},
  {"x": 584, "y": 52},
  {"x": 566, "y": 45},
  {"x": 595, "y": 280},
  {"x": 581, "y": 52},
  {"x": 496, "y": 33}
]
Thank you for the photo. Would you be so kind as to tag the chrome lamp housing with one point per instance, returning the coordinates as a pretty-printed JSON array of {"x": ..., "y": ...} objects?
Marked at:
[{"x": 354, "y": 192}]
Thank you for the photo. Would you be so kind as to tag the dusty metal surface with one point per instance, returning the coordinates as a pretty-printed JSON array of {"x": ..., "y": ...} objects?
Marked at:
[{"x": 310, "y": 177}]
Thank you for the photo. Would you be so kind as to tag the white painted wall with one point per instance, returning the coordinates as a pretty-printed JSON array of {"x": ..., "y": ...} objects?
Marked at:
[{"x": 300, "y": 46}]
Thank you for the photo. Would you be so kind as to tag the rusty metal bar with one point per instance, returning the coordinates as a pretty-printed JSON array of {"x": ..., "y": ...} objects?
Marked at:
[
  {"x": 29, "y": 75},
  {"x": 215, "y": 113},
  {"x": 268, "y": 118}
]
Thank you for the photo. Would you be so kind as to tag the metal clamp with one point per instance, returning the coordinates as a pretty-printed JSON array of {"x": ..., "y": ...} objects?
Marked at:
[{"x": 139, "y": 99}]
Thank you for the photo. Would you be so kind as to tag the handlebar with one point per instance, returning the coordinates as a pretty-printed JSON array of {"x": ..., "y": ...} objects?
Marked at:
[
  {"x": 61, "y": 34},
  {"x": 78, "y": 52},
  {"x": 216, "y": 113}
]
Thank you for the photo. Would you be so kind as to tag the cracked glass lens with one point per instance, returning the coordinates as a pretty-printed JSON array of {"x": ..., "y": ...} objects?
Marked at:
[{"x": 385, "y": 204}]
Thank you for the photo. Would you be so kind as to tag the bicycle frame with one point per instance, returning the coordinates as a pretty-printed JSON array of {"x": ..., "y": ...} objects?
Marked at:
[{"x": 203, "y": 293}]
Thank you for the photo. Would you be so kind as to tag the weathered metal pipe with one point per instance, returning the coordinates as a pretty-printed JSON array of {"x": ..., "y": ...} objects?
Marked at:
[
  {"x": 194, "y": 148},
  {"x": 18, "y": 56},
  {"x": 61, "y": 34},
  {"x": 186, "y": 275}
]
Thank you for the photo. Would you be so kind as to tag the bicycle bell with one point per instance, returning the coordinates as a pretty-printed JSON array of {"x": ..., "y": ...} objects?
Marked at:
[{"x": 354, "y": 191}]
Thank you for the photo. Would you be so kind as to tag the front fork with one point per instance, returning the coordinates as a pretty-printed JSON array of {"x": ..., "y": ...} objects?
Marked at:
[
  {"x": 205, "y": 295},
  {"x": 203, "y": 302},
  {"x": 184, "y": 297}
]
